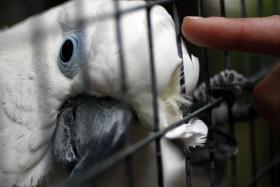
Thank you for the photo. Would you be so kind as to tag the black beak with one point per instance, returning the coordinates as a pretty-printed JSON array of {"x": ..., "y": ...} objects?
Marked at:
[{"x": 89, "y": 130}]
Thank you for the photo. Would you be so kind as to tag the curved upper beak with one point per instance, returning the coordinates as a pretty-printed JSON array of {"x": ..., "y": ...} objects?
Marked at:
[{"x": 89, "y": 130}]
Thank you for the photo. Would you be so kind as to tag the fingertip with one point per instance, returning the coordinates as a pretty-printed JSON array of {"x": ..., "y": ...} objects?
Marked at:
[
  {"x": 189, "y": 28},
  {"x": 187, "y": 21},
  {"x": 184, "y": 27}
]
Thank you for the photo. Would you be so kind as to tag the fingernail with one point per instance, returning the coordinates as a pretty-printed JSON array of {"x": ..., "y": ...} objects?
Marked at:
[{"x": 194, "y": 17}]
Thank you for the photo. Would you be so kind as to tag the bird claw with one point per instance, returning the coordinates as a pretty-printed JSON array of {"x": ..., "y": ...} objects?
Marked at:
[
  {"x": 228, "y": 83},
  {"x": 192, "y": 134}
]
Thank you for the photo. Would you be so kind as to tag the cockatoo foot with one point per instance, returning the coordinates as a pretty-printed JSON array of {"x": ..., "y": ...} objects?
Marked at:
[{"x": 192, "y": 134}]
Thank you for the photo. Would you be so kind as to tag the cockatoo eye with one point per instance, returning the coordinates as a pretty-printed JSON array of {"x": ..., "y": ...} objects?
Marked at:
[{"x": 71, "y": 55}]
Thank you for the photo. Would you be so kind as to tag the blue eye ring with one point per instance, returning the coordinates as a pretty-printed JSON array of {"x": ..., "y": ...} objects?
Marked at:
[{"x": 71, "y": 54}]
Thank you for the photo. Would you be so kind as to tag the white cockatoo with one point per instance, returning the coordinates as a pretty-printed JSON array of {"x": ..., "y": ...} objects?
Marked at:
[{"x": 72, "y": 49}]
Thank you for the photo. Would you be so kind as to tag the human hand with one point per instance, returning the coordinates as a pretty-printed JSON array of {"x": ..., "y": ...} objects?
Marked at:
[{"x": 247, "y": 35}]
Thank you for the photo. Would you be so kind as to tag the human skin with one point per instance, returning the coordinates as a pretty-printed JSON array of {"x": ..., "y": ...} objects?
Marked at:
[
  {"x": 267, "y": 96},
  {"x": 259, "y": 35}
]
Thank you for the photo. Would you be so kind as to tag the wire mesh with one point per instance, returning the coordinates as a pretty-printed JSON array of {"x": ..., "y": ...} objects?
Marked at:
[{"x": 131, "y": 149}]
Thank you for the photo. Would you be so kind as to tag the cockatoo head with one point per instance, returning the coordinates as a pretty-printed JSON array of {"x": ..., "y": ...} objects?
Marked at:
[
  {"x": 87, "y": 57},
  {"x": 87, "y": 51}
]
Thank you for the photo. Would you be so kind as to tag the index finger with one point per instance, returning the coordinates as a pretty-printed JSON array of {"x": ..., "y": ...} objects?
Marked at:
[{"x": 243, "y": 34}]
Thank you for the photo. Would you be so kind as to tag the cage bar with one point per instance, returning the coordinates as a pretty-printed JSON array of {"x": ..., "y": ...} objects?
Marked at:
[
  {"x": 232, "y": 132},
  {"x": 123, "y": 86},
  {"x": 243, "y": 9},
  {"x": 271, "y": 155},
  {"x": 246, "y": 58},
  {"x": 223, "y": 14},
  {"x": 177, "y": 22},
  {"x": 264, "y": 171},
  {"x": 211, "y": 145},
  {"x": 275, "y": 6},
  {"x": 260, "y": 8},
  {"x": 154, "y": 99},
  {"x": 188, "y": 167},
  {"x": 229, "y": 105},
  {"x": 210, "y": 142},
  {"x": 253, "y": 149}
]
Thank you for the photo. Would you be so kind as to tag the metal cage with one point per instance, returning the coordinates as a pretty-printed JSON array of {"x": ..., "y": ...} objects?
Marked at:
[{"x": 177, "y": 9}]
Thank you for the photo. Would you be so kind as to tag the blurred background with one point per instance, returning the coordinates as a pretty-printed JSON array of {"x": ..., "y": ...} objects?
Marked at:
[{"x": 267, "y": 142}]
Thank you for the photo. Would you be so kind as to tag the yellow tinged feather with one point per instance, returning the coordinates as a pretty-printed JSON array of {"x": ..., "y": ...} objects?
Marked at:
[{"x": 171, "y": 98}]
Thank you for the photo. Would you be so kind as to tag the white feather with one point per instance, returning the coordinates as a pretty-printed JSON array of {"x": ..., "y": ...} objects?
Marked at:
[{"x": 193, "y": 133}]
